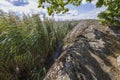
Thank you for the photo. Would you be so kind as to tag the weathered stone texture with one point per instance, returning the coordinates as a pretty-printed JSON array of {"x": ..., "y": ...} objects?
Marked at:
[{"x": 84, "y": 55}]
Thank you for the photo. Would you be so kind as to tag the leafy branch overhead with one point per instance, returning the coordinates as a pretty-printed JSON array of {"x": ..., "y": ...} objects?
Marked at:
[
  {"x": 111, "y": 14},
  {"x": 58, "y": 6}
]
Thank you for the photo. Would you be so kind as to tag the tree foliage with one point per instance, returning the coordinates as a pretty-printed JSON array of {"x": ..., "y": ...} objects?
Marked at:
[
  {"x": 57, "y": 6},
  {"x": 110, "y": 15}
]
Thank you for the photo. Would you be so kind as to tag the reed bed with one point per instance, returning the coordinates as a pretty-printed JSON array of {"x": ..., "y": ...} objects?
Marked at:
[{"x": 26, "y": 42}]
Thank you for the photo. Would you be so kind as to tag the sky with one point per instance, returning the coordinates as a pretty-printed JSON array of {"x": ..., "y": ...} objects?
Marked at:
[{"x": 84, "y": 11}]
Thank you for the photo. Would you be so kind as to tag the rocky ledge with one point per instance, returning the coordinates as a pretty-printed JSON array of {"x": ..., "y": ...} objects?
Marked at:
[{"x": 89, "y": 53}]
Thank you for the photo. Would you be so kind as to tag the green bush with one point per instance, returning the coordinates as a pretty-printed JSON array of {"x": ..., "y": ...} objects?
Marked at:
[{"x": 25, "y": 43}]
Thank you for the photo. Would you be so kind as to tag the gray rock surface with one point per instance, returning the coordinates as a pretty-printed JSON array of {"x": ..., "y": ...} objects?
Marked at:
[
  {"x": 85, "y": 54},
  {"x": 118, "y": 62}
]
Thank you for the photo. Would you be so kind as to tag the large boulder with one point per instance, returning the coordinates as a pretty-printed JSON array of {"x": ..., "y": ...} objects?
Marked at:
[{"x": 89, "y": 53}]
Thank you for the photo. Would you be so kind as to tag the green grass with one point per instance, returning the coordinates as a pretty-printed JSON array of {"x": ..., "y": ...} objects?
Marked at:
[{"x": 25, "y": 44}]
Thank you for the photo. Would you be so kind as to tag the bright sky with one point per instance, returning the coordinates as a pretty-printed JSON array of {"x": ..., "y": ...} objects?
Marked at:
[{"x": 84, "y": 11}]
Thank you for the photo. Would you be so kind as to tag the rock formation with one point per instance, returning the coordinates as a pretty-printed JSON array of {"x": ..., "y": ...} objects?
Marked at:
[{"x": 89, "y": 53}]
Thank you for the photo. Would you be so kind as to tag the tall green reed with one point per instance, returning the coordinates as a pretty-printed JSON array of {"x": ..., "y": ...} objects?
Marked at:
[{"x": 25, "y": 44}]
